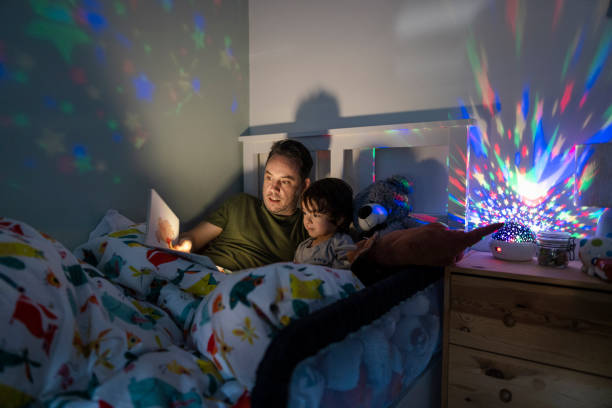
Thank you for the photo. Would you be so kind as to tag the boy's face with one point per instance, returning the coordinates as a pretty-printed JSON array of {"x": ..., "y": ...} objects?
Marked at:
[
  {"x": 282, "y": 186},
  {"x": 319, "y": 225}
]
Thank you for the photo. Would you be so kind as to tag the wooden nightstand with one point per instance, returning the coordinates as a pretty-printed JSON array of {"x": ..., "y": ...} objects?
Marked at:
[{"x": 519, "y": 334}]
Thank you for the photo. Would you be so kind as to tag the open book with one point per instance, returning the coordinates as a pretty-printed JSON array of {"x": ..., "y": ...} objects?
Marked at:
[{"x": 163, "y": 229}]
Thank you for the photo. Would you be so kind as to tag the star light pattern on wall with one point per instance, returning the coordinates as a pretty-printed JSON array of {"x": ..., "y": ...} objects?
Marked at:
[
  {"x": 107, "y": 59},
  {"x": 52, "y": 142},
  {"x": 522, "y": 169},
  {"x": 185, "y": 86}
]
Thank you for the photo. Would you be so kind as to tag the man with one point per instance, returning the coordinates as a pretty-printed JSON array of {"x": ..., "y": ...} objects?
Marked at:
[{"x": 247, "y": 232}]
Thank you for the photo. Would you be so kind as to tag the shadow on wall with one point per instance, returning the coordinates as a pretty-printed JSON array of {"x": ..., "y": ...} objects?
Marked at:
[
  {"x": 320, "y": 112},
  {"x": 320, "y": 108}
]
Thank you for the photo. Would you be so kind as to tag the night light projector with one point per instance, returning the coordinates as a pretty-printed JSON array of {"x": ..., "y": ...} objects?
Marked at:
[
  {"x": 371, "y": 215},
  {"x": 513, "y": 242}
]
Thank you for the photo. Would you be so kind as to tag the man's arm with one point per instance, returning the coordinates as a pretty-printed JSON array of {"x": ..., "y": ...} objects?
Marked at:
[{"x": 196, "y": 238}]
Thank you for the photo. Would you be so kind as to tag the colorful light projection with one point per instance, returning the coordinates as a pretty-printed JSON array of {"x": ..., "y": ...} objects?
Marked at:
[
  {"x": 593, "y": 185},
  {"x": 523, "y": 171},
  {"x": 93, "y": 39},
  {"x": 187, "y": 86}
]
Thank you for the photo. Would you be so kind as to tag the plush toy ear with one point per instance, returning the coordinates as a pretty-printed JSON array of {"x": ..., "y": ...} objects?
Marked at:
[{"x": 371, "y": 215}]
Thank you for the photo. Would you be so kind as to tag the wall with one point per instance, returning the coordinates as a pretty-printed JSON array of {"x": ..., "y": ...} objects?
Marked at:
[
  {"x": 101, "y": 100},
  {"x": 540, "y": 70}
]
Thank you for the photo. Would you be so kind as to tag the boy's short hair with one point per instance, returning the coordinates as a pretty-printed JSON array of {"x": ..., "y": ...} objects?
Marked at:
[
  {"x": 293, "y": 150},
  {"x": 333, "y": 197}
]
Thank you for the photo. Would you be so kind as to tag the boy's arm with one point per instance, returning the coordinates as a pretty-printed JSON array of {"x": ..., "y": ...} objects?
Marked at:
[{"x": 198, "y": 237}]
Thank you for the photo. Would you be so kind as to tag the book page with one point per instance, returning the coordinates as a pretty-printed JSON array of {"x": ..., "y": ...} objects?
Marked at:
[{"x": 162, "y": 223}]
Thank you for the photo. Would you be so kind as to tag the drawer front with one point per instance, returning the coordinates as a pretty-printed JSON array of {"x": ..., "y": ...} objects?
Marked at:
[
  {"x": 481, "y": 379},
  {"x": 560, "y": 326}
]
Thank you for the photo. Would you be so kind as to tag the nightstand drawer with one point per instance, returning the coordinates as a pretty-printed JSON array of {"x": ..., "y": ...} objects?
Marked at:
[
  {"x": 480, "y": 379},
  {"x": 565, "y": 327}
]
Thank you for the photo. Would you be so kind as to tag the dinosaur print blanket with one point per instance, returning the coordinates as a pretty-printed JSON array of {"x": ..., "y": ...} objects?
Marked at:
[{"x": 118, "y": 324}]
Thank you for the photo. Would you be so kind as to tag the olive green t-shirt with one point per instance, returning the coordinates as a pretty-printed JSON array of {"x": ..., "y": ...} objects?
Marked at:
[{"x": 252, "y": 236}]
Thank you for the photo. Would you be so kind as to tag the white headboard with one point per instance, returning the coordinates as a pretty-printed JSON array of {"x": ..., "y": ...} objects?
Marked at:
[{"x": 436, "y": 153}]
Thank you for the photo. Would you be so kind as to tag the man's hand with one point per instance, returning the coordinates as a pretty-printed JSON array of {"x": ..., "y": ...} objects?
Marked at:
[
  {"x": 432, "y": 244},
  {"x": 183, "y": 245}
]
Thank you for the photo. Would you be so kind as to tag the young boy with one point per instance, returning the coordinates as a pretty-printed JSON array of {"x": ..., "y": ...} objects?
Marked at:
[{"x": 327, "y": 205}]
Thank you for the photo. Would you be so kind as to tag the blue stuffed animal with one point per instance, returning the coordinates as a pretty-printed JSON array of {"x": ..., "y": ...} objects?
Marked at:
[{"x": 383, "y": 206}]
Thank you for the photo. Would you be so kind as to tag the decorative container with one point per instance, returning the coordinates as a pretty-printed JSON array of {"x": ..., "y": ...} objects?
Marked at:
[{"x": 555, "y": 248}]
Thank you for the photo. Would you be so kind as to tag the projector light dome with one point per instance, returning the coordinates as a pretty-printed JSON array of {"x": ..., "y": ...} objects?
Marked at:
[
  {"x": 514, "y": 232},
  {"x": 513, "y": 242}
]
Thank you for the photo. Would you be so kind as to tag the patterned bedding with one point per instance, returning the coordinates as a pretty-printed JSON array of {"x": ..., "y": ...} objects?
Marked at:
[{"x": 119, "y": 324}]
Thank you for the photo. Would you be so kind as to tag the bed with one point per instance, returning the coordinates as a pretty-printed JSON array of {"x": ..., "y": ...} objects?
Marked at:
[{"x": 115, "y": 323}]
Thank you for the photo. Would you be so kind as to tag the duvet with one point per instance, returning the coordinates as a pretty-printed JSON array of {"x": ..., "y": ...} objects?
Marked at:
[{"x": 117, "y": 324}]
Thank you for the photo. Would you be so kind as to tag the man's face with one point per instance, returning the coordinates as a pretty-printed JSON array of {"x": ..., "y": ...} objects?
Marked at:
[{"x": 282, "y": 186}]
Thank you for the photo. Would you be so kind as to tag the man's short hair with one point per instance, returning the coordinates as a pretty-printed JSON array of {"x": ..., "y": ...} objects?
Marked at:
[
  {"x": 294, "y": 150},
  {"x": 331, "y": 196}
]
